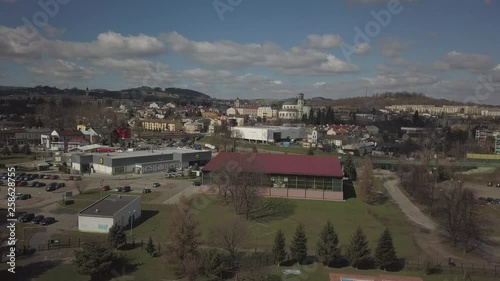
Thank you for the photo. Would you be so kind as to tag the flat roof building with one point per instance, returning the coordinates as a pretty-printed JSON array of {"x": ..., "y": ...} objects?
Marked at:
[
  {"x": 112, "y": 209},
  {"x": 138, "y": 162}
]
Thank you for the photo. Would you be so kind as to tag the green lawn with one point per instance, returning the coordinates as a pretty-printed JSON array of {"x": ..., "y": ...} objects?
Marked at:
[
  {"x": 16, "y": 158},
  {"x": 95, "y": 194}
]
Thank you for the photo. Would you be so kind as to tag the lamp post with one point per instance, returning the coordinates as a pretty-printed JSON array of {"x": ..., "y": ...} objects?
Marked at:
[{"x": 131, "y": 213}]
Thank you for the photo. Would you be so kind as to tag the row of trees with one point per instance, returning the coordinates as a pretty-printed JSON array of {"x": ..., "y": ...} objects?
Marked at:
[
  {"x": 25, "y": 149},
  {"x": 329, "y": 252}
]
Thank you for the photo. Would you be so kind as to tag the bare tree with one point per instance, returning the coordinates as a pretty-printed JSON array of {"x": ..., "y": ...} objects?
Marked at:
[
  {"x": 236, "y": 136},
  {"x": 230, "y": 235},
  {"x": 367, "y": 181},
  {"x": 80, "y": 186},
  {"x": 182, "y": 252},
  {"x": 253, "y": 268}
]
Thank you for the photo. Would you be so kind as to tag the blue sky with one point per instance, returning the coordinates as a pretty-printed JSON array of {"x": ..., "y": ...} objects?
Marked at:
[{"x": 257, "y": 48}]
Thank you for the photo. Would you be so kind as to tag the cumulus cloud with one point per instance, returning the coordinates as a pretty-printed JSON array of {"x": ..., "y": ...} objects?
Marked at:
[
  {"x": 20, "y": 44},
  {"x": 475, "y": 63},
  {"x": 362, "y": 48},
  {"x": 393, "y": 48},
  {"x": 52, "y": 31},
  {"x": 140, "y": 72},
  {"x": 63, "y": 69},
  {"x": 225, "y": 53},
  {"x": 326, "y": 41}
]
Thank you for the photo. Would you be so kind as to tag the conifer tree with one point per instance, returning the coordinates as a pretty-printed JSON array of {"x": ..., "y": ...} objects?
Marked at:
[
  {"x": 150, "y": 246},
  {"x": 298, "y": 249},
  {"x": 279, "y": 251},
  {"x": 385, "y": 254},
  {"x": 358, "y": 252},
  {"x": 116, "y": 236},
  {"x": 328, "y": 245},
  {"x": 350, "y": 169}
]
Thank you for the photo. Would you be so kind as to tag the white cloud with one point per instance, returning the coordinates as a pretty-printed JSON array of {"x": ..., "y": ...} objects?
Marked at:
[
  {"x": 276, "y": 82},
  {"x": 393, "y": 48},
  {"x": 400, "y": 80},
  {"x": 326, "y": 41},
  {"x": 362, "y": 49},
  {"x": 52, "y": 31},
  {"x": 475, "y": 63},
  {"x": 63, "y": 69},
  {"x": 297, "y": 60},
  {"x": 20, "y": 44},
  {"x": 319, "y": 84},
  {"x": 140, "y": 72}
]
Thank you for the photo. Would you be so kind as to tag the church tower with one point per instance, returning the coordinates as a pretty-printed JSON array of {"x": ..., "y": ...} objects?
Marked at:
[
  {"x": 237, "y": 103},
  {"x": 300, "y": 105}
]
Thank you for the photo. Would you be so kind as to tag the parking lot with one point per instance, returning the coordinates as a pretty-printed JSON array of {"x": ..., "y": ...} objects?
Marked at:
[{"x": 44, "y": 202}]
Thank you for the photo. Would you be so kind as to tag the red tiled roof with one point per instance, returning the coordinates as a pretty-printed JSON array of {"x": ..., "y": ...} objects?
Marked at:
[{"x": 280, "y": 164}]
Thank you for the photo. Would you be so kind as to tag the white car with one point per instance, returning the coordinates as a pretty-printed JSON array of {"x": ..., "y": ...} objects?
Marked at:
[{"x": 19, "y": 195}]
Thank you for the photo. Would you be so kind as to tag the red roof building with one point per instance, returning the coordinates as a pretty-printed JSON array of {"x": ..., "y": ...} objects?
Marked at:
[{"x": 297, "y": 176}]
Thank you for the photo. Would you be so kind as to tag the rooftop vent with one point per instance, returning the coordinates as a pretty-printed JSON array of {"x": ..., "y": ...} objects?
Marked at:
[{"x": 97, "y": 210}]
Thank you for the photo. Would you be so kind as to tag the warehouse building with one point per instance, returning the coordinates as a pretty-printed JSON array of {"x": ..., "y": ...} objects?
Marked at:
[
  {"x": 138, "y": 162},
  {"x": 269, "y": 134},
  {"x": 285, "y": 175},
  {"x": 112, "y": 209}
]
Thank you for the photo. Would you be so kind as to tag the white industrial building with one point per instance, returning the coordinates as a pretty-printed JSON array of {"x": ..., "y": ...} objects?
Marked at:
[
  {"x": 112, "y": 209},
  {"x": 269, "y": 134}
]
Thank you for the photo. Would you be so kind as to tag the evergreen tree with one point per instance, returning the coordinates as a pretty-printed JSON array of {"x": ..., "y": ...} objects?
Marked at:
[
  {"x": 196, "y": 167},
  {"x": 213, "y": 265},
  {"x": 150, "y": 247},
  {"x": 279, "y": 251},
  {"x": 350, "y": 169},
  {"x": 311, "y": 117},
  {"x": 385, "y": 254},
  {"x": 15, "y": 148},
  {"x": 358, "y": 252},
  {"x": 298, "y": 249},
  {"x": 94, "y": 259},
  {"x": 328, "y": 245},
  {"x": 116, "y": 236}
]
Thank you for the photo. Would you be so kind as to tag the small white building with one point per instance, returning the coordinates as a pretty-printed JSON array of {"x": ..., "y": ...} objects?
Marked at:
[{"x": 113, "y": 209}]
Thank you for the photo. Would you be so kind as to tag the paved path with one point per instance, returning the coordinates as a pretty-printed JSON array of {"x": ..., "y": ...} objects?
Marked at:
[{"x": 408, "y": 208}]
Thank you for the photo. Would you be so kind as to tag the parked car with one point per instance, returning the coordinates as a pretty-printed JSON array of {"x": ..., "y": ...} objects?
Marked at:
[
  {"x": 61, "y": 185},
  {"x": 54, "y": 177},
  {"x": 156, "y": 184},
  {"x": 33, "y": 184},
  {"x": 51, "y": 188},
  {"x": 18, "y": 196},
  {"x": 106, "y": 188},
  {"x": 127, "y": 188},
  {"x": 6, "y": 197},
  {"x": 490, "y": 183},
  {"x": 119, "y": 189},
  {"x": 197, "y": 183},
  {"x": 47, "y": 177},
  {"x": 48, "y": 220},
  {"x": 498, "y": 184},
  {"x": 490, "y": 200},
  {"x": 27, "y": 217},
  {"x": 146, "y": 190},
  {"x": 25, "y": 197},
  {"x": 41, "y": 184},
  {"x": 38, "y": 219},
  {"x": 71, "y": 178}
]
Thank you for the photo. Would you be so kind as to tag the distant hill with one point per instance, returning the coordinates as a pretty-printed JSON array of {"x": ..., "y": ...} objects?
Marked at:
[{"x": 186, "y": 93}]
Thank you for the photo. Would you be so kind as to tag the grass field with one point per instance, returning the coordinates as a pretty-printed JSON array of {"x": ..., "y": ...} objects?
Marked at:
[{"x": 16, "y": 158}]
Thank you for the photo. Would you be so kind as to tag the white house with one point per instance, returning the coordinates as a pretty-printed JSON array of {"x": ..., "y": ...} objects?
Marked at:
[
  {"x": 314, "y": 136},
  {"x": 113, "y": 209},
  {"x": 154, "y": 105}
]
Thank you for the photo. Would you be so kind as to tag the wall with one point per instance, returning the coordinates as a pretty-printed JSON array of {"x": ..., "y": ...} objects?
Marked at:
[
  {"x": 122, "y": 216},
  {"x": 91, "y": 224},
  {"x": 293, "y": 193}
]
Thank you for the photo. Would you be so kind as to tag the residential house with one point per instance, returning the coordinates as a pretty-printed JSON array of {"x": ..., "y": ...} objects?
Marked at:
[
  {"x": 154, "y": 105},
  {"x": 30, "y": 136},
  {"x": 193, "y": 127},
  {"x": 315, "y": 135},
  {"x": 7, "y": 137}
]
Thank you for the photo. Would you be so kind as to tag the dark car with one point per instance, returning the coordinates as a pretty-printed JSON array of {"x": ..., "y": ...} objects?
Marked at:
[
  {"x": 490, "y": 200},
  {"x": 146, "y": 190},
  {"x": 51, "y": 188},
  {"x": 25, "y": 197},
  {"x": 61, "y": 185},
  {"x": 33, "y": 184},
  {"x": 119, "y": 189},
  {"x": 41, "y": 184},
  {"x": 54, "y": 177},
  {"x": 126, "y": 188},
  {"x": 48, "y": 220},
  {"x": 156, "y": 184},
  {"x": 38, "y": 219},
  {"x": 106, "y": 188},
  {"x": 197, "y": 183},
  {"x": 27, "y": 217}
]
